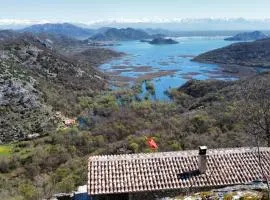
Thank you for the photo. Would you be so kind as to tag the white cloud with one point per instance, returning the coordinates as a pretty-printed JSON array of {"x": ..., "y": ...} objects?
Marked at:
[
  {"x": 173, "y": 20},
  {"x": 24, "y": 21},
  {"x": 154, "y": 20}
]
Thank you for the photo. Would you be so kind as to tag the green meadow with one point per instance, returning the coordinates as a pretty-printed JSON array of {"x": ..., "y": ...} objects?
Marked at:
[{"x": 5, "y": 150}]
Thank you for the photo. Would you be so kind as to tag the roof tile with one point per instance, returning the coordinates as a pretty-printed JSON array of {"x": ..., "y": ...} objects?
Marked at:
[{"x": 174, "y": 170}]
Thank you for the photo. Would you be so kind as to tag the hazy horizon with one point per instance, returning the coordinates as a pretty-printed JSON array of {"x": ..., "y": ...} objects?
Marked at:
[
  {"x": 182, "y": 15},
  {"x": 203, "y": 24},
  {"x": 93, "y": 10}
]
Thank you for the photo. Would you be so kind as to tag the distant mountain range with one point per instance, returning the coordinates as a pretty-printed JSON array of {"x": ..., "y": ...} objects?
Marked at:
[
  {"x": 101, "y": 34},
  {"x": 115, "y": 34},
  {"x": 65, "y": 29},
  {"x": 108, "y": 33},
  {"x": 255, "y": 35},
  {"x": 210, "y": 24}
]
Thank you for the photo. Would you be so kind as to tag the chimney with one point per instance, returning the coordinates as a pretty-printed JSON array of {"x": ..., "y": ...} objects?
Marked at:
[{"x": 202, "y": 159}]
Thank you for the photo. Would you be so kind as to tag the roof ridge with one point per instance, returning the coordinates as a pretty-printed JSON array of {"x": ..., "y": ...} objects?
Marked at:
[{"x": 169, "y": 154}]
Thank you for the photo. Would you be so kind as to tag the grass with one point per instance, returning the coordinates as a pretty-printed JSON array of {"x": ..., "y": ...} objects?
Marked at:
[{"x": 5, "y": 150}]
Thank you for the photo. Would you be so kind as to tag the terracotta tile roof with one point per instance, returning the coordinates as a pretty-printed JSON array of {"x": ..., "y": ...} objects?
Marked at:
[{"x": 174, "y": 170}]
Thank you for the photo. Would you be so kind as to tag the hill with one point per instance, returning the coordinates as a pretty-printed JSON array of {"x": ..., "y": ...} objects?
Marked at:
[
  {"x": 8, "y": 34},
  {"x": 113, "y": 34},
  {"x": 256, "y": 35},
  {"x": 36, "y": 81},
  {"x": 115, "y": 122},
  {"x": 249, "y": 54},
  {"x": 65, "y": 29}
]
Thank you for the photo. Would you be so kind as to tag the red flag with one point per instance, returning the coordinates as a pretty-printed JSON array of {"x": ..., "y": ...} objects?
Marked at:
[{"x": 151, "y": 143}]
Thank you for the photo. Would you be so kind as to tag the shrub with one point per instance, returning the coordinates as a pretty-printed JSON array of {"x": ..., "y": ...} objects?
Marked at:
[
  {"x": 66, "y": 185},
  {"x": 28, "y": 191},
  {"x": 201, "y": 123},
  {"x": 175, "y": 145},
  {"x": 134, "y": 147},
  {"x": 4, "y": 165},
  {"x": 100, "y": 140},
  {"x": 150, "y": 87},
  {"x": 205, "y": 195},
  {"x": 228, "y": 196}
]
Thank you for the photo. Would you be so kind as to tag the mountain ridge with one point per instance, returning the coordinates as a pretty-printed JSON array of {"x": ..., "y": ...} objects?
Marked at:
[
  {"x": 36, "y": 81},
  {"x": 249, "y": 54},
  {"x": 245, "y": 36},
  {"x": 65, "y": 29},
  {"x": 114, "y": 34}
]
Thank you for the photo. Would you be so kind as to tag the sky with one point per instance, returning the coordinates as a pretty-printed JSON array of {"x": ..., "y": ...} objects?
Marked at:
[{"x": 130, "y": 10}]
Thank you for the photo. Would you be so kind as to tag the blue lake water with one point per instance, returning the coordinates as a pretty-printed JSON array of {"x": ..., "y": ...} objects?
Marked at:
[{"x": 175, "y": 59}]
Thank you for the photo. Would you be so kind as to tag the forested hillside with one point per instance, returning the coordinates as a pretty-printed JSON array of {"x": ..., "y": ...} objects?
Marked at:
[
  {"x": 201, "y": 113},
  {"x": 41, "y": 88}
]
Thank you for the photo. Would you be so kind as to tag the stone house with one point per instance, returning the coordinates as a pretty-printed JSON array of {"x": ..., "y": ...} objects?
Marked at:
[{"x": 164, "y": 174}]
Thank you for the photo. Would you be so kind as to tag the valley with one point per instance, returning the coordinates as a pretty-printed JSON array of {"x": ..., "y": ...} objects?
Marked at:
[
  {"x": 63, "y": 100},
  {"x": 168, "y": 66}
]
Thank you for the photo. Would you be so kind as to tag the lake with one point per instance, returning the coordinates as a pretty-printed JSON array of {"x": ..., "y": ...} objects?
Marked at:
[{"x": 167, "y": 66}]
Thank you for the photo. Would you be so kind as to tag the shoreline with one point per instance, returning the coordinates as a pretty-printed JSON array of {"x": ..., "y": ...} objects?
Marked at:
[
  {"x": 117, "y": 73},
  {"x": 240, "y": 71},
  {"x": 225, "y": 72}
]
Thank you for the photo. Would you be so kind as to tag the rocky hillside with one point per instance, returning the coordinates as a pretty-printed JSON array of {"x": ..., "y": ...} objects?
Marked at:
[
  {"x": 36, "y": 81},
  {"x": 53, "y": 41},
  {"x": 58, "y": 41},
  {"x": 250, "y": 54},
  {"x": 256, "y": 35},
  {"x": 8, "y": 34},
  {"x": 23, "y": 110},
  {"x": 34, "y": 56},
  {"x": 123, "y": 34}
]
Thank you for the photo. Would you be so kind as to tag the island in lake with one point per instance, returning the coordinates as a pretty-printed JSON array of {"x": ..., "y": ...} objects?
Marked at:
[{"x": 160, "y": 41}]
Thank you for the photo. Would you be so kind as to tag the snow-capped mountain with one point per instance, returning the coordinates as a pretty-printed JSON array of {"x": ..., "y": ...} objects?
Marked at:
[{"x": 188, "y": 24}]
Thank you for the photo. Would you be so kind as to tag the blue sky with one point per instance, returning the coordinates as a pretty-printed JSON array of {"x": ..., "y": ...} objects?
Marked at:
[{"x": 91, "y": 10}]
